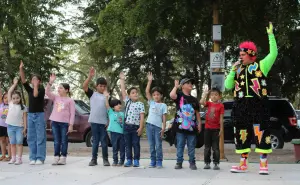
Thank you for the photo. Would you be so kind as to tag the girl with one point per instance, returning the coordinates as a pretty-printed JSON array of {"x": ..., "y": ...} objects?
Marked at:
[
  {"x": 3, "y": 127},
  {"x": 115, "y": 127},
  {"x": 156, "y": 123},
  {"x": 17, "y": 123},
  {"x": 134, "y": 123},
  {"x": 62, "y": 117}
]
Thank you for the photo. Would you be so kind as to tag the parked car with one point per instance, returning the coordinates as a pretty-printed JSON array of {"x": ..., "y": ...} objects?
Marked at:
[
  {"x": 82, "y": 129},
  {"x": 283, "y": 122},
  {"x": 298, "y": 118}
]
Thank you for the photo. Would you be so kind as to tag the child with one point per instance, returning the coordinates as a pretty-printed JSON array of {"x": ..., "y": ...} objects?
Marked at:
[
  {"x": 62, "y": 117},
  {"x": 187, "y": 120},
  {"x": 36, "y": 134},
  {"x": 16, "y": 121},
  {"x": 3, "y": 128},
  {"x": 213, "y": 126},
  {"x": 115, "y": 127},
  {"x": 156, "y": 123},
  {"x": 134, "y": 123},
  {"x": 98, "y": 117}
]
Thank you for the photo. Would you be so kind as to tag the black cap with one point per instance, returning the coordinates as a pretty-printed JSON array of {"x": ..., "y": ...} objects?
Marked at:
[
  {"x": 101, "y": 81},
  {"x": 185, "y": 80}
]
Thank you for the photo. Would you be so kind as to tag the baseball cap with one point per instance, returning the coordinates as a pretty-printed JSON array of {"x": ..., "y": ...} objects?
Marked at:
[{"x": 185, "y": 80}]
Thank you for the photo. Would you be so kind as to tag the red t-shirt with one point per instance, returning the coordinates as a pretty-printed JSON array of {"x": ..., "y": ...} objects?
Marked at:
[{"x": 214, "y": 110}]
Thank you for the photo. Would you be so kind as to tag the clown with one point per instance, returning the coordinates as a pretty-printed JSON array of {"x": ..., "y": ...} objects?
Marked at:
[{"x": 250, "y": 113}]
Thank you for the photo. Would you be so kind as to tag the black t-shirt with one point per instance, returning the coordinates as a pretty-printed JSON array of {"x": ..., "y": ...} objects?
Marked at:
[
  {"x": 36, "y": 104},
  {"x": 185, "y": 117}
]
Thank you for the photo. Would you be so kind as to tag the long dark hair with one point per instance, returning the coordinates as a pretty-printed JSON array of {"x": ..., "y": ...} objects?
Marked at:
[
  {"x": 66, "y": 86},
  {"x": 3, "y": 97},
  {"x": 20, "y": 95}
]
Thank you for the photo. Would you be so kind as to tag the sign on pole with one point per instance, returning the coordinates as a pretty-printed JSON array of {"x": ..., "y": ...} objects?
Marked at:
[
  {"x": 218, "y": 80},
  {"x": 217, "y": 60}
]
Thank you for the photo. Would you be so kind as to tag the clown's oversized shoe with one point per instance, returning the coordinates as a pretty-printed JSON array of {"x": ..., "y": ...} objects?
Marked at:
[
  {"x": 242, "y": 168},
  {"x": 263, "y": 167}
]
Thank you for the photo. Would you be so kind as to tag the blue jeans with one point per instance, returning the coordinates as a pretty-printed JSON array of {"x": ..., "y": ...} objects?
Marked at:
[
  {"x": 59, "y": 131},
  {"x": 132, "y": 140},
  {"x": 190, "y": 139},
  {"x": 155, "y": 142},
  {"x": 36, "y": 136},
  {"x": 118, "y": 144},
  {"x": 15, "y": 134},
  {"x": 99, "y": 134}
]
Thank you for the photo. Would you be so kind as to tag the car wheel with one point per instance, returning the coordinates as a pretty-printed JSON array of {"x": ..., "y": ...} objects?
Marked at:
[
  {"x": 89, "y": 139},
  {"x": 277, "y": 141}
]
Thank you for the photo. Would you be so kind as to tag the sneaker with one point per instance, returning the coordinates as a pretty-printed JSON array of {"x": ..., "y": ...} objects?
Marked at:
[
  {"x": 18, "y": 161},
  {"x": 32, "y": 163},
  {"x": 115, "y": 163},
  {"x": 121, "y": 163},
  {"x": 39, "y": 162},
  {"x": 136, "y": 163},
  {"x": 62, "y": 161},
  {"x": 128, "y": 163},
  {"x": 263, "y": 169},
  {"x": 12, "y": 160},
  {"x": 178, "y": 166},
  {"x": 242, "y": 168},
  {"x": 193, "y": 166},
  {"x": 55, "y": 161},
  {"x": 207, "y": 166},
  {"x": 106, "y": 162},
  {"x": 93, "y": 162},
  {"x": 216, "y": 167},
  {"x": 152, "y": 164},
  {"x": 159, "y": 164}
]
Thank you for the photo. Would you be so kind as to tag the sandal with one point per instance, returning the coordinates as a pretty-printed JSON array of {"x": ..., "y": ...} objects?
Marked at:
[
  {"x": 7, "y": 159},
  {"x": 2, "y": 158}
]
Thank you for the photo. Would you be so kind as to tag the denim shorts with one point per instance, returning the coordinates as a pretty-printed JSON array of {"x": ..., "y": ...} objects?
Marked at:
[{"x": 15, "y": 134}]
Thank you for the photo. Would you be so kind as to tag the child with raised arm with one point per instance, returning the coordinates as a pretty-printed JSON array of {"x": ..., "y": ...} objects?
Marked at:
[
  {"x": 98, "y": 117},
  {"x": 213, "y": 126},
  {"x": 16, "y": 121},
  {"x": 62, "y": 117},
  {"x": 36, "y": 134},
  {"x": 115, "y": 127},
  {"x": 134, "y": 122},
  {"x": 3, "y": 128},
  {"x": 156, "y": 123}
]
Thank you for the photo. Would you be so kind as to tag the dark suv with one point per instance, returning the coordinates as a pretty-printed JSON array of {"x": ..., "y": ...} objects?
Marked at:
[{"x": 283, "y": 122}]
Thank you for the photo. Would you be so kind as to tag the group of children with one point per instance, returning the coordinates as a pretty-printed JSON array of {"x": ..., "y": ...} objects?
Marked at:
[
  {"x": 107, "y": 115},
  {"x": 126, "y": 127}
]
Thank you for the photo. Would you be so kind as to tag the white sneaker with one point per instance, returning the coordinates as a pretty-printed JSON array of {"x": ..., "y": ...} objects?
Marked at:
[
  {"x": 55, "y": 161},
  {"x": 39, "y": 162},
  {"x": 62, "y": 161},
  {"x": 12, "y": 161},
  {"x": 32, "y": 163},
  {"x": 18, "y": 161}
]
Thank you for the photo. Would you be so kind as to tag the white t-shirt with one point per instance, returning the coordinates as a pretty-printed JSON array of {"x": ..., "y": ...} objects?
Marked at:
[
  {"x": 133, "y": 111},
  {"x": 15, "y": 115}
]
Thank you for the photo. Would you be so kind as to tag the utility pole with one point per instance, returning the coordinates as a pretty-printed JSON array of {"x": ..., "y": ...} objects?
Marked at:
[{"x": 217, "y": 73}]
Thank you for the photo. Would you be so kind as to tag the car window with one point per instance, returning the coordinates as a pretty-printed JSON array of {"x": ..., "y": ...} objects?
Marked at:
[
  {"x": 227, "y": 113},
  {"x": 82, "y": 107},
  {"x": 298, "y": 113},
  {"x": 281, "y": 108}
]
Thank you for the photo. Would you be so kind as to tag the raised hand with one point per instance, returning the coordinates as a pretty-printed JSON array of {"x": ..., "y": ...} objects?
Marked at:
[
  {"x": 21, "y": 65},
  {"x": 270, "y": 28},
  {"x": 150, "y": 76},
  {"x": 122, "y": 76},
  {"x": 176, "y": 84},
  {"x": 16, "y": 80},
  {"x": 205, "y": 89},
  {"x": 92, "y": 72},
  {"x": 52, "y": 78},
  {"x": 106, "y": 94}
]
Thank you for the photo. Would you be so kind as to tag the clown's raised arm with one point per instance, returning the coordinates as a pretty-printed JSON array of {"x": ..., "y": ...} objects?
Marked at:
[{"x": 268, "y": 61}]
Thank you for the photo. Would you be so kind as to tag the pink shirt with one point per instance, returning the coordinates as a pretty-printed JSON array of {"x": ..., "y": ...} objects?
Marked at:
[
  {"x": 3, "y": 114},
  {"x": 63, "y": 108}
]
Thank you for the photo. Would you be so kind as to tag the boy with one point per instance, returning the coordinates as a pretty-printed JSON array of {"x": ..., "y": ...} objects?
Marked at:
[
  {"x": 187, "y": 119},
  {"x": 36, "y": 134},
  {"x": 98, "y": 117},
  {"x": 134, "y": 123},
  {"x": 213, "y": 126}
]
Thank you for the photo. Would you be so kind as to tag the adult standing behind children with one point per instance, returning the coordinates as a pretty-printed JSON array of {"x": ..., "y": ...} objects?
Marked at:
[
  {"x": 187, "y": 120},
  {"x": 156, "y": 123},
  {"x": 36, "y": 133},
  {"x": 213, "y": 126},
  {"x": 98, "y": 117},
  {"x": 134, "y": 122}
]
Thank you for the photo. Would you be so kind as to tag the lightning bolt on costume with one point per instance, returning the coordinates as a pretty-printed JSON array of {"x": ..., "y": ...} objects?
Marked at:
[{"x": 250, "y": 111}]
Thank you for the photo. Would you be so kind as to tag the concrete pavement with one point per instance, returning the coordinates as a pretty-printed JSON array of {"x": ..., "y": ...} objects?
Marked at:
[{"x": 77, "y": 171}]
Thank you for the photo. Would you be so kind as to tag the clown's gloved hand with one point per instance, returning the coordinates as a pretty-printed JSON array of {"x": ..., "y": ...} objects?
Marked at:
[{"x": 270, "y": 28}]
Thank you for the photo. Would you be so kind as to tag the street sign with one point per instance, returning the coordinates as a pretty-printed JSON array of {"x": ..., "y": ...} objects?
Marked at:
[
  {"x": 217, "y": 32},
  {"x": 217, "y": 80},
  {"x": 217, "y": 60}
]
